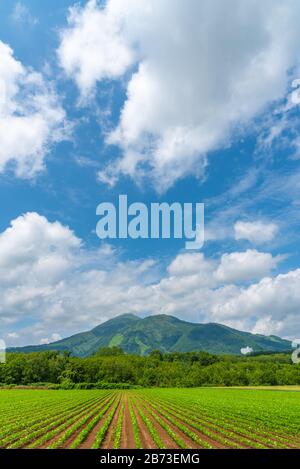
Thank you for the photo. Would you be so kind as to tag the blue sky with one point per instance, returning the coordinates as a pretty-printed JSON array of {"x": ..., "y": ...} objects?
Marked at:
[{"x": 163, "y": 104}]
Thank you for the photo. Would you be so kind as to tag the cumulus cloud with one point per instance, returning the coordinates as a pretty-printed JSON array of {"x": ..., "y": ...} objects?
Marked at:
[
  {"x": 34, "y": 246},
  {"x": 266, "y": 324},
  {"x": 246, "y": 350},
  {"x": 189, "y": 264},
  {"x": 54, "y": 338},
  {"x": 50, "y": 281},
  {"x": 35, "y": 255},
  {"x": 248, "y": 265},
  {"x": 270, "y": 298},
  {"x": 198, "y": 73},
  {"x": 92, "y": 47},
  {"x": 257, "y": 232},
  {"x": 31, "y": 117}
]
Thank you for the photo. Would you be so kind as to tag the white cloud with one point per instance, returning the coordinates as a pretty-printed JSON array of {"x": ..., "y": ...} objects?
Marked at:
[
  {"x": 35, "y": 256},
  {"x": 272, "y": 303},
  {"x": 12, "y": 335},
  {"x": 189, "y": 264},
  {"x": 198, "y": 73},
  {"x": 257, "y": 232},
  {"x": 267, "y": 324},
  {"x": 53, "y": 338},
  {"x": 243, "y": 266},
  {"x": 279, "y": 131},
  {"x": 246, "y": 350},
  {"x": 21, "y": 14},
  {"x": 31, "y": 118},
  {"x": 45, "y": 341},
  {"x": 32, "y": 246},
  {"x": 92, "y": 47},
  {"x": 54, "y": 285}
]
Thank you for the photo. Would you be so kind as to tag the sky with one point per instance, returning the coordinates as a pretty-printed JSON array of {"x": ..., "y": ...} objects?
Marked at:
[{"x": 164, "y": 101}]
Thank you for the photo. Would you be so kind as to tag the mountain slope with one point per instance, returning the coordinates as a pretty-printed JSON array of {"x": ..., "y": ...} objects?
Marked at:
[{"x": 163, "y": 332}]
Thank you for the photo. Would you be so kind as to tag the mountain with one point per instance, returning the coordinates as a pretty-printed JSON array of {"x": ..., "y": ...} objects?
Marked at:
[{"x": 162, "y": 332}]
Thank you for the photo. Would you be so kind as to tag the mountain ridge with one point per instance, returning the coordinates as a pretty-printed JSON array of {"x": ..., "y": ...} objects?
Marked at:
[{"x": 161, "y": 332}]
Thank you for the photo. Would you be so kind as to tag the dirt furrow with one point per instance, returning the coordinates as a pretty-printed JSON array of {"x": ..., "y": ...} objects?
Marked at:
[
  {"x": 59, "y": 434},
  {"x": 187, "y": 441},
  {"x": 275, "y": 437},
  {"x": 108, "y": 442},
  {"x": 88, "y": 442},
  {"x": 234, "y": 439},
  {"x": 127, "y": 436},
  {"x": 67, "y": 444},
  {"x": 146, "y": 439},
  {"x": 168, "y": 442},
  {"x": 202, "y": 436}
]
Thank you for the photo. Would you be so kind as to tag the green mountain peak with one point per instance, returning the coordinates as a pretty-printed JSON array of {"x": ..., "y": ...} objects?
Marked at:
[{"x": 162, "y": 332}]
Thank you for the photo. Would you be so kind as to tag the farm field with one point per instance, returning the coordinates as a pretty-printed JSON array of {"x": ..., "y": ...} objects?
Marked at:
[{"x": 150, "y": 418}]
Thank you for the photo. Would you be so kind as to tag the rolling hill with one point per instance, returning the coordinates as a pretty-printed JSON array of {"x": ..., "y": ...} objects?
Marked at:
[{"x": 162, "y": 332}]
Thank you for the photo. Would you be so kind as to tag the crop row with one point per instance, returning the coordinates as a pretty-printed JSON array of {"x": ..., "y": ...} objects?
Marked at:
[{"x": 152, "y": 418}]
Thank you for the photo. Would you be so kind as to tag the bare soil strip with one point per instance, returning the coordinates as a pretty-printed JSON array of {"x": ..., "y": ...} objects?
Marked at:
[
  {"x": 257, "y": 438},
  {"x": 146, "y": 439},
  {"x": 88, "y": 442},
  {"x": 290, "y": 442},
  {"x": 168, "y": 442},
  {"x": 58, "y": 435},
  {"x": 275, "y": 437},
  {"x": 202, "y": 436},
  {"x": 75, "y": 409},
  {"x": 234, "y": 439},
  {"x": 108, "y": 442},
  {"x": 127, "y": 436},
  {"x": 72, "y": 438},
  {"x": 45, "y": 430},
  {"x": 188, "y": 441},
  {"x": 209, "y": 428}
]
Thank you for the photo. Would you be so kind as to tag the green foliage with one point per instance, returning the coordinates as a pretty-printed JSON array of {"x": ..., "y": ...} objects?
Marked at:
[
  {"x": 123, "y": 371},
  {"x": 110, "y": 351},
  {"x": 89, "y": 427},
  {"x": 201, "y": 417},
  {"x": 118, "y": 429},
  {"x": 233, "y": 417},
  {"x": 136, "y": 428},
  {"x": 150, "y": 427},
  {"x": 104, "y": 428}
]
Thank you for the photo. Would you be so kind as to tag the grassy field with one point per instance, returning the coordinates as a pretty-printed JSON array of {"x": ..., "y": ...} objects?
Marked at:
[{"x": 150, "y": 418}]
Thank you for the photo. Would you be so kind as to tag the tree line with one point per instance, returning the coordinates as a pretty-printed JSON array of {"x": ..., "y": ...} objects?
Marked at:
[{"x": 111, "y": 367}]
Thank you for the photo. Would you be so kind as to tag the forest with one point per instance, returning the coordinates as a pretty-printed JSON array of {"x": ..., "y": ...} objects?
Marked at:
[{"x": 111, "y": 367}]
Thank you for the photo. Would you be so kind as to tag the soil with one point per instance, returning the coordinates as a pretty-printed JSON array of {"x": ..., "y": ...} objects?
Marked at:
[
  {"x": 167, "y": 440},
  {"x": 127, "y": 436},
  {"x": 146, "y": 439},
  {"x": 108, "y": 442},
  {"x": 88, "y": 442},
  {"x": 190, "y": 443}
]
